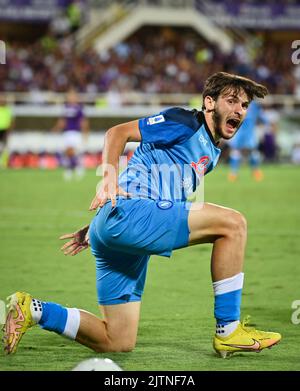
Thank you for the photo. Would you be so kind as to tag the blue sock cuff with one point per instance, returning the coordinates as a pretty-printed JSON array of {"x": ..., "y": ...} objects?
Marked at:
[
  {"x": 227, "y": 307},
  {"x": 54, "y": 317}
]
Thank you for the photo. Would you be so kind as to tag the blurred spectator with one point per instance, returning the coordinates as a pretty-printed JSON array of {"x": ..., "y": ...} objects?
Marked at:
[
  {"x": 268, "y": 144},
  {"x": 60, "y": 26},
  {"x": 75, "y": 128},
  {"x": 153, "y": 59},
  {"x": 296, "y": 153},
  {"x": 75, "y": 14}
]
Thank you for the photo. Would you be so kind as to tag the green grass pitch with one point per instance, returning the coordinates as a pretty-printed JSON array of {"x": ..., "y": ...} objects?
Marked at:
[{"x": 177, "y": 324}]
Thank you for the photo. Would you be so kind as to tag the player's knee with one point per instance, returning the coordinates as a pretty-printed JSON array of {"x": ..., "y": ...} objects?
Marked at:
[
  {"x": 113, "y": 349},
  {"x": 127, "y": 348},
  {"x": 125, "y": 345},
  {"x": 237, "y": 225}
]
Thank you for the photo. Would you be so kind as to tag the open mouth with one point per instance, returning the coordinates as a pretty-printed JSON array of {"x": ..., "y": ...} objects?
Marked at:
[{"x": 233, "y": 123}]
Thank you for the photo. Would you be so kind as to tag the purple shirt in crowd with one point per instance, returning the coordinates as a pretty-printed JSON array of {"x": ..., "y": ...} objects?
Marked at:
[{"x": 73, "y": 114}]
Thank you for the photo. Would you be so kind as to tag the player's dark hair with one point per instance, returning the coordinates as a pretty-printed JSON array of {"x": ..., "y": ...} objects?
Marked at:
[{"x": 221, "y": 82}]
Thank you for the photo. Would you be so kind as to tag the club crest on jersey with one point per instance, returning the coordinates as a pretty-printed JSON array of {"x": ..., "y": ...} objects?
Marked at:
[
  {"x": 164, "y": 204},
  {"x": 155, "y": 120},
  {"x": 201, "y": 166}
]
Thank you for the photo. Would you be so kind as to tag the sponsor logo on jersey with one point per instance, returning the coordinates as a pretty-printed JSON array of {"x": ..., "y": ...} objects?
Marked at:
[
  {"x": 201, "y": 166},
  {"x": 155, "y": 120},
  {"x": 164, "y": 204},
  {"x": 203, "y": 140}
]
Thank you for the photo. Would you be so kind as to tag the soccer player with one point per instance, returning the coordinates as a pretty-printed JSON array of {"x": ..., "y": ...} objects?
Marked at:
[
  {"x": 145, "y": 211},
  {"x": 6, "y": 124},
  {"x": 75, "y": 127},
  {"x": 245, "y": 143}
]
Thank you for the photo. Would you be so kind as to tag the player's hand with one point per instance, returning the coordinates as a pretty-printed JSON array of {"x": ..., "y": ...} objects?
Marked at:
[
  {"x": 107, "y": 192},
  {"x": 79, "y": 241}
]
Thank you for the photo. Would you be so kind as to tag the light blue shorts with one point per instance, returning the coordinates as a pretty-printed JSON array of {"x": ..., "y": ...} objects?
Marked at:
[{"x": 123, "y": 238}]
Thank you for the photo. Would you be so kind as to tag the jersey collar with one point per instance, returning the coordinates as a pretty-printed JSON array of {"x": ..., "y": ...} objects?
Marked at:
[{"x": 201, "y": 119}]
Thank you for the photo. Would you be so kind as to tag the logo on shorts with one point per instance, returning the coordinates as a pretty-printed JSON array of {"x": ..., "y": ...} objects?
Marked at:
[{"x": 165, "y": 204}]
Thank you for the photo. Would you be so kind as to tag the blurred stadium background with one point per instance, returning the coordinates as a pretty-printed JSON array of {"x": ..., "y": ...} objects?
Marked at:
[
  {"x": 133, "y": 58},
  {"x": 129, "y": 59}
]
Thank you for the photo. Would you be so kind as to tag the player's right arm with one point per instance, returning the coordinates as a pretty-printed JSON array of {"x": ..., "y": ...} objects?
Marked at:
[
  {"x": 115, "y": 141},
  {"x": 78, "y": 242},
  {"x": 59, "y": 126}
]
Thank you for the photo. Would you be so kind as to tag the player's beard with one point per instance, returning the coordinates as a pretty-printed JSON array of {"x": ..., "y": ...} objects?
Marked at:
[{"x": 218, "y": 119}]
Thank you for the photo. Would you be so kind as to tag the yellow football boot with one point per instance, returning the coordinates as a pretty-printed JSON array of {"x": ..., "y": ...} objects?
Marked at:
[
  {"x": 245, "y": 339},
  {"x": 18, "y": 320}
]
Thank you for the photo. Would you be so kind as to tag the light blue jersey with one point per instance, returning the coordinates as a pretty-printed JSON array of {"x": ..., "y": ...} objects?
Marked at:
[
  {"x": 246, "y": 136},
  {"x": 177, "y": 148}
]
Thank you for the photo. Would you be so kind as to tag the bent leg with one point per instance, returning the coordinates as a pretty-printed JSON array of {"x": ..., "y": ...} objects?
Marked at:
[
  {"x": 227, "y": 230},
  {"x": 116, "y": 332},
  {"x": 120, "y": 280}
]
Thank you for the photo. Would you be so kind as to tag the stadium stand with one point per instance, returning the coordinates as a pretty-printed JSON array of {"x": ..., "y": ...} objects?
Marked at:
[
  {"x": 156, "y": 60},
  {"x": 151, "y": 67}
]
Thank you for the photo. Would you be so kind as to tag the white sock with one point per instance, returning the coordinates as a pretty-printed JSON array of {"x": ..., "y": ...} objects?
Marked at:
[
  {"x": 225, "y": 330},
  {"x": 73, "y": 323},
  {"x": 228, "y": 284},
  {"x": 36, "y": 310}
]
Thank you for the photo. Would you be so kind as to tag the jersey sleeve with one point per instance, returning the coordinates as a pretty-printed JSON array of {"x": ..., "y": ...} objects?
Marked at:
[{"x": 166, "y": 128}]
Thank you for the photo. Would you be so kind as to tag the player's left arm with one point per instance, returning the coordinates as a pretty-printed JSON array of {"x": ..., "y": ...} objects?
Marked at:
[
  {"x": 79, "y": 241},
  {"x": 59, "y": 125}
]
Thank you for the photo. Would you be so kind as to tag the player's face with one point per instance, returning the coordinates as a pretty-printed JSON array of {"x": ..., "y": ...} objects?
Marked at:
[
  {"x": 229, "y": 112},
  {"x": 72, "y": 97}
]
